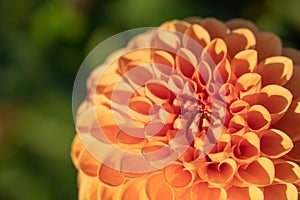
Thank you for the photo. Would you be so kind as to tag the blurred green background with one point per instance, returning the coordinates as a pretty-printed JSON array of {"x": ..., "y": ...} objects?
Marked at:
[{"x": 42, "y": 45}]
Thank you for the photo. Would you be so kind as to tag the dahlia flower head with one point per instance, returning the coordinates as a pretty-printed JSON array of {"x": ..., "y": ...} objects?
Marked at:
[{"x": 196, "y": 109}]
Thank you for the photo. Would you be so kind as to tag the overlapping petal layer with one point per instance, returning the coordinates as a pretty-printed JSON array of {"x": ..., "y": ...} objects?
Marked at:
[{"x": 252, "y": 154}]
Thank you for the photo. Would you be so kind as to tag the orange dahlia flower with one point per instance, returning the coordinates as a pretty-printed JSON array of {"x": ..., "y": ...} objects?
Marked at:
[{"x": 199, "y": 109}]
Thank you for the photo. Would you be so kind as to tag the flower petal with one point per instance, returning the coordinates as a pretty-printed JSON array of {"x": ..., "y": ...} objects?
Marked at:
[
  {"x": 178, "y": 176},
  {"x": 287, "y": 171},
  {"x": 196, "y": 33},
  {"x": 228, "y": 92},
  {"x": 248, "y": 84},
  {"x": 163, "y": 58},
  {"x": 109, "y": 193},
  {"x": 244, "y": 62},
  {"x": 134, "y": 189},
  {"x": 281, "y": 191},
  {"x": 110, "y": 176},
  {"x": 294, "y": 154},
  {"x": 248, "y": 148},
  {"x": 293, "y": 84},
  {"x": 237, "y": 125},
  {"x": 275, "y": 70},
  {"x": 294, "y": 54},
  {"x": 176, "y": 25},
  {"x": 157, "y": 188},
  {"x": 276, "y": 99},
  {"x": 203, "y": 191},
  {"x": 186, "y": 62},
  {"x": 289, "y": 123},
  {"x": 216, "y": 28},
  {"x": 77, "y": 147},
  {"x": 219, "y": 173},
  {"x": 239, "y": 39},
  {"x": 267, "y": 45},
  {"x": 275, "y": 143},
  {"x": 259, "y": 172},
  {"x": 239, "y": 107},
  {"x": 258, "y": 118},
  {"x": 217, "y": 50},
  {"x": 88, "y": 164},
  {"x": 241, "y": 23},
  {"x": 245, "y": 193}
]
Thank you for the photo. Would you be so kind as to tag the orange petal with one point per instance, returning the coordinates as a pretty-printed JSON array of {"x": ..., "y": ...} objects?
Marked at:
[
  {"x": 239, "y": 39},
  {"x": 216, "y": 28},
  {"x": 203, "y": 191},
  {"x": 228, "y": 92},
  {"x": 276, "y": 99},
  {"x": 281, "y": 191},
  {"x": 248, "y": 148},
  {"x": 158, "y": 92},
  {"x": 260, "y": 172},
  {"x": 222, "y": 149},
  {"x": 139, "y": 108},
  {"x": 245, "y": 193},
  {"x": 275, "y": 70},
  {"x": 219, "y": 173},
  {"x": 134, "y": 190},
  {"x": 194, "y": 20},
  {"x": 217, "y": 50},
  {"x": 241, "y": 23},
  {"x": 143, "y": 55},
  {"x": 267, "y": 45},
  {"x": 88, "y": 188},
  {"x": 222, "y": 72},
  {"x": 87, "y": 163},
  {"x": 289, "y": 123},
  {"x": 157, "y": 188},
  {"x": 77, "y": 147},
  {"x": 294, "y": 154},
  {"x": 178, "y": 176},
  {"x": 198, "y": 34},
  {"x": 275, "y": 143},
  {"x": 109, "y": 193},
  {"x": 164, "y": 58},
  {"x": 293, "y": 84},
  {"x": 244, "y": 62},
  {"x": 237, "y": 125},
  {"x": 294, "y": 54},
  {"x": 287, "y": 171},
  {"x": 110, "y": 176},
  {"x": 239, "y": 107},
  {"x": 248, "y": 84},
  {"x": 258, "y": 118},
  {"x": 166, "y": 40},
  {"x": 185, "y": 62},
  {"x": 176, "y": 25}
]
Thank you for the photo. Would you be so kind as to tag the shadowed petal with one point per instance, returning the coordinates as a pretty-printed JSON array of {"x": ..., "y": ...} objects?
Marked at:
[
  {"x": 218, "y": 173},
  {"x": 241, "y": 23},
  {"x": 267, "y": 45},
  {"x": 239, "y": 39},
  {"x": 216, "y": 28},
  {"x": 281, "y": 191},
  {"x": 275, "y": 70},
  {"x": 287, "y": 171},
  {"x": 289, "y": 123},
  {"x": 157, "y": 188},
  {"x": 275, "y": 143},
  {"x": 245, "y": 193},
  {"x": 260, "y": 172},
  {"x": 244, "y": 62},
  {"x": 203, "y": 191}
]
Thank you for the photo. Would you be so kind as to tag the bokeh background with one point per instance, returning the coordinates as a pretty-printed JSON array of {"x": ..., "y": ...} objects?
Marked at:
[{"x": 42, "y": 45}]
